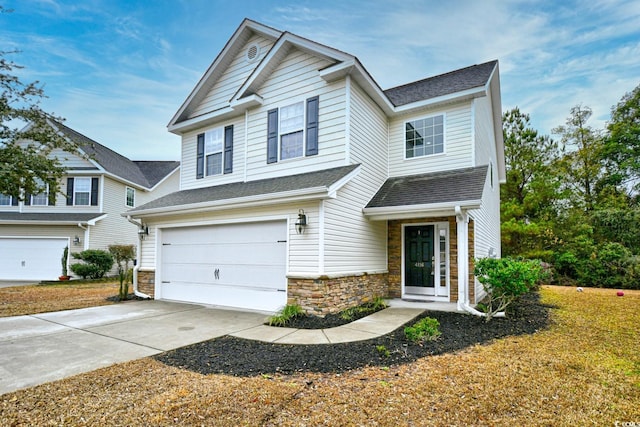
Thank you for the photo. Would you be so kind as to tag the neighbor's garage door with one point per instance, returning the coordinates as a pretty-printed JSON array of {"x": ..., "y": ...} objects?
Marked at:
[
  {"x": 238, "y": 265},
  {"x": 23, "y": 258}
]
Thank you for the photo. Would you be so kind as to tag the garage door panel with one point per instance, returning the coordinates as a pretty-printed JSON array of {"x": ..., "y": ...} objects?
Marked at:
[
  {"x": 237, "y": 265},
  {"x": 216, "y": 253},
  {"x": 31, "y": 258}
]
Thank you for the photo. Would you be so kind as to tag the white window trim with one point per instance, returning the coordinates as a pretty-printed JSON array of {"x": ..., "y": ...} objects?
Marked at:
[
  {"x": 10, "y": 200},
  {"x": 46, "y": 196},
  {"x": 425, "y": 156},
  {"x": 126, "y": 197},
  {"x": 303, "y": 130},
  {"x": 75, "y": 190},
  {"x": 210, "y": 153}
]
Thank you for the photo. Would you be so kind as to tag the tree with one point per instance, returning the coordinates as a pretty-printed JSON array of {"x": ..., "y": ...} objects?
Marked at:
[
  {"x": 530, "y": 194},
  {"x": 582, "y": 162},
  {"x": 622, "y": 145},
  {"x": 122, "y": 254},
  {"x": 27, "y": 138}
]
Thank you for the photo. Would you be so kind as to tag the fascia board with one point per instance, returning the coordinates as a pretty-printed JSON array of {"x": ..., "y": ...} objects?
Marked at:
[
  {"x": 240, "y": 202},
  {"x": 445, "y": 99},
  {"x": 411, "y": 211},
  {"x": 166, "y": 177},
  {"x": 195, "y": 122},
  {"x": 333, "y": 189}
]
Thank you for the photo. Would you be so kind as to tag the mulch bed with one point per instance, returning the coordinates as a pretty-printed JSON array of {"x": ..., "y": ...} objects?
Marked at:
[{"x": 240, "y": 357}]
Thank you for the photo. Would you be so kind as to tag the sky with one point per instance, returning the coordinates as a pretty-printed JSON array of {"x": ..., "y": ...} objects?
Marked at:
[{"x": 118, "y": 70}]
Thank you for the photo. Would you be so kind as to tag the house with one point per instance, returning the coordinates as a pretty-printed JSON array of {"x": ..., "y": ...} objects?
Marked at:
[
  {"x": 97, "y": 188},
  {"x": 304, "y": 182}
]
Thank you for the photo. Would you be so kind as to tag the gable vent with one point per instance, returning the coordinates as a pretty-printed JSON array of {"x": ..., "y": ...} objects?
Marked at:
[{"x": 252, "y": 52}]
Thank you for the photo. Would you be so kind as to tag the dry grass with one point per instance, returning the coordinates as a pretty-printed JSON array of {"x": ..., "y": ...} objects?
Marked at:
[
  {"x": 584, "y": 370},
  {"x": 32, "y": 299}
]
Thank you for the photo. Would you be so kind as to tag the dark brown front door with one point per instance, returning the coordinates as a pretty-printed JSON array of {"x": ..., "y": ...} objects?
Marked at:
[{"x": 419, "y": 260}]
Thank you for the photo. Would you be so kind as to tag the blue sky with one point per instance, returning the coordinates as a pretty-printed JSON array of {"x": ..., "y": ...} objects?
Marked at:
[{"x": 118, "y": 70}]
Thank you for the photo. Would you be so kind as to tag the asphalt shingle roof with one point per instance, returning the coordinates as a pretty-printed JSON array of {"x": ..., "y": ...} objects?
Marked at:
[
  {"x": 431, "y": 188},
  {"x": 146, "y": 174},
  {"x": 443, "y": 84},
  {"x": 324, "y": 178},
  {"x": 57, "y": 217}
]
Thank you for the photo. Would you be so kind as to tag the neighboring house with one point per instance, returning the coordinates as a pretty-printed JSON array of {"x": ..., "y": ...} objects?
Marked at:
[
  {"x": 96, "y": 190},
  {"x": 303, "y": 182}
]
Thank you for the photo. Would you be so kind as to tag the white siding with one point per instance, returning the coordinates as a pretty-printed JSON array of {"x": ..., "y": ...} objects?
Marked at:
[
  {"x": 71, "y": 161},
  {"x": 352, "y": 243},
  {"x": 232, "y": 78},
  {"x": 66, "y": 231},
  {"x": 189, "y": 152},
  {"x": 169, "y": 185},
  {"x": 458, "y": 145},
  {"x": 487, "y": 218},
  {"x": 61, "y": 201},
  {"x": 114, "y": 229},
  {"x": 302, "y": 254},
  {"x": 293, "y": 80}
]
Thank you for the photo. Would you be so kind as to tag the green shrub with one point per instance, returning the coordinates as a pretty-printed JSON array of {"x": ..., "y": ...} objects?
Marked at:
[
  {"x": 85, "y": 271},
  {"x": 425, "y": 329},
  {"x": 123, "y": 254},
  {"x": 101, "y": 262},
  {"x": 287, "y": 313},
  {"x": 611, "y": 266},
  {"x": 383, "y": 350},
  {"x": 377, "y": 304},
  {"x": 505, "y": 279}
]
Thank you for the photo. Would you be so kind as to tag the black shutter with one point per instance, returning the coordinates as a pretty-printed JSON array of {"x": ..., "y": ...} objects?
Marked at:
[
  {"x": 69, "y": 191},
  {"x": 52, "y": 198},
  {"x": 200, "y": 157},
  {"x": 14, "y": 201},
  {"x": 312, "y": 126},
  {"x": 94, "y": 191},
  {"x": 27, "y": 199},
  {"x": 228, "y": 149},
  {"x": 272, "y": 136}
]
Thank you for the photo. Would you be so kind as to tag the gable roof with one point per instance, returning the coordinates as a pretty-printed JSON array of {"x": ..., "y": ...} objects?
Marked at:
[
  {"x": 465, "y": 83},
  {"x": 143, "y": 173},
  {"x": 475, "y": 76},
  {"x": 431, "y": 191},
  {"x": 301, "y": 186}
]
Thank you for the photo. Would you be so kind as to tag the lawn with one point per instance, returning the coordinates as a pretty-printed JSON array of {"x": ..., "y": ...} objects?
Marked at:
[
  {"x": 583, "y": 370},
  {"x": 32, "y": 299}
]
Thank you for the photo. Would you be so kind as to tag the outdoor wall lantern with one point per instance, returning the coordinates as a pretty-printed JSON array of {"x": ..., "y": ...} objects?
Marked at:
[
  {"x": 143, "y": 231},
  {"x": 302, "y": 222},
  {"x": 76, "y": 240}
]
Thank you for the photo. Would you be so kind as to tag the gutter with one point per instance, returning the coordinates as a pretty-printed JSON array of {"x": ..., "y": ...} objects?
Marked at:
[{"x": 136, "y": 267}]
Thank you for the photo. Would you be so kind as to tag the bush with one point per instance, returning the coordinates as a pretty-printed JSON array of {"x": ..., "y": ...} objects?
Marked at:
[
  {"x": 611, "y": 266},
  {"x": 122, "y": 255},
  {"x": 287, "y": 313},
  {"x": 505, "y": 279},
  {"x": 98, "y": 262},
  {"x": 425, "y": 329}
]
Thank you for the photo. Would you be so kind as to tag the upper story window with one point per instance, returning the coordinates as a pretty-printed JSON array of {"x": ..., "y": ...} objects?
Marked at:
[
  {"x": 82, "y": 191},
  {"x": 130, "y": 197},
  {"x": 215, "y": 152},
  {"x": 41, "y": 199},
  {"x": 424, "y": 137},
  {"x": 292, "y": 130},
  {"x": 6, "y": 200}
]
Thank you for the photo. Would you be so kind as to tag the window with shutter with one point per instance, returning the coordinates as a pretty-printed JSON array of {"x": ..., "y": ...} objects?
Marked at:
[{"x": 292, "y": 130}]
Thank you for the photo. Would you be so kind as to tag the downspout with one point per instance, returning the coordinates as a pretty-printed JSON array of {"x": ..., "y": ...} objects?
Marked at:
[
  {"x": 136, "y": 267},
  {"x": 462, "y": 221}
]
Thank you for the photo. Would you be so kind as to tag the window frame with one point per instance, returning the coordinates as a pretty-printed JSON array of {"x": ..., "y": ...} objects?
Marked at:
[
  {"x": 39, "y": 196},
  {"x": 6, "y": 197},
  {"x": 133, "y": 197},
  {"x": 207, "y": 154},
  {"x": 301, "y": 129},
  {"x": 444, "y": 136},
  {"x": 75, "y": 191}
]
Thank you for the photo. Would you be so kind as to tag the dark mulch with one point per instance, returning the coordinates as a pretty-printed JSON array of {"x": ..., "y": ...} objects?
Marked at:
[
  {"x": 328, "y": 321},
  {"x": 240, "y": 357},
  {"x": 130, "y": 297}
]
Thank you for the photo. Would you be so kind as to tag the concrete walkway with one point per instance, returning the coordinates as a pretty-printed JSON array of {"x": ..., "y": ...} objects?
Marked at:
[{"x": 46, "y": 347}]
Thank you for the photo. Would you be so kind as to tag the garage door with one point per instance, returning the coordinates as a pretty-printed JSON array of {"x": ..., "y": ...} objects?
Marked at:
[
  {"x": 31, "y": 259},
  {"x": 239, "y": 265}
]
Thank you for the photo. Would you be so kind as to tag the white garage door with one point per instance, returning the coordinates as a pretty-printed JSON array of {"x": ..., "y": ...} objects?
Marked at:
[
  {"x": 23, "y": 258},
  {"x": 236, "y": 265}
]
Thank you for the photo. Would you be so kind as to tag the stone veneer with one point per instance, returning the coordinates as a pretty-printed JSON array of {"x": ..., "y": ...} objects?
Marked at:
[
  {"x": 326, "y": 295},
  {"x": 394, "y": 242},
  {"x": 146, "y": 282},
  {"x": 472, "y": 263}
]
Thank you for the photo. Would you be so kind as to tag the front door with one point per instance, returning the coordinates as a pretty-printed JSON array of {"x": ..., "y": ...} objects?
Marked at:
[{"x": 425, "y": 261}]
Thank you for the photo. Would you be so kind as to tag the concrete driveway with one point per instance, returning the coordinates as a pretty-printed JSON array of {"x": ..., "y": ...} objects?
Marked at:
[{"x": 45, "y": 347}]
